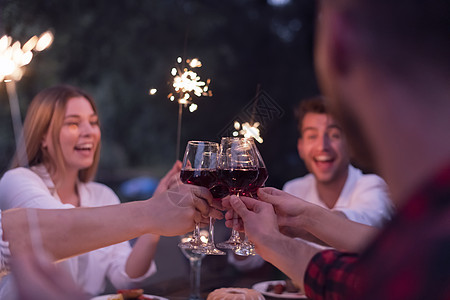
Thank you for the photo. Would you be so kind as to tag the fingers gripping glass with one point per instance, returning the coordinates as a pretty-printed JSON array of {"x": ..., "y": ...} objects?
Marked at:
[
  {"x": 247, "y": 248},
  {"x": 200, "y": 168}
]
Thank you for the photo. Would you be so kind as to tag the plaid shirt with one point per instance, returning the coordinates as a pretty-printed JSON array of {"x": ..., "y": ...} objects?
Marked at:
[{"x": 410, "y": 259}]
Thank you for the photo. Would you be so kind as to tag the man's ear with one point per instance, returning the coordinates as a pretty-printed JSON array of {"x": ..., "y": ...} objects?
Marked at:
[{"x": 300, "y": 148}]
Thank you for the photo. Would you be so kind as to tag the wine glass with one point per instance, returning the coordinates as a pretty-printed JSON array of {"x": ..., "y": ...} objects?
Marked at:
[
  {"x": 238, "y": 168},
  {"x": 195, "y": 262},
  {"x": 247, "y": 248},
  {"x": 263, "y": 174},
  {"x": 200, "y": 168}
]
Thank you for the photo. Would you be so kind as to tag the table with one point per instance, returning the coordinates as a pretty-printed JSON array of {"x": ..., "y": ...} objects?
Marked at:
[
  {"x": 179, "y": 288},
  {"x": 172, "y": 279}
]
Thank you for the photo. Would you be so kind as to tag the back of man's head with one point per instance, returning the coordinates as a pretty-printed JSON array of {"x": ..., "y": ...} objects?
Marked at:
[{"x": 402, "y": 35}]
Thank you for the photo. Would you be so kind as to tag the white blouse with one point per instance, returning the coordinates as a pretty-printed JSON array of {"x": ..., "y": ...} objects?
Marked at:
[{"x": 23, "y": 187}]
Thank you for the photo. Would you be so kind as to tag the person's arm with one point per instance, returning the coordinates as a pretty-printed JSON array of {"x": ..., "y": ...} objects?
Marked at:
[
  {"x": 338, "y": 231},
  {"x": 322, "y": 275},
  {"x": 140, "y": 259},
  {"x": 332, "y": 227},
  {"x": 289, "y": 255},
  {"x": 39, "y": 279},
  {"x": 331, "y": 275},
  {"x": 69, "y": 232}
]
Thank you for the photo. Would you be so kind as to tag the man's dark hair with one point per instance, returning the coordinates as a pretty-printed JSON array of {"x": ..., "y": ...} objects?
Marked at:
[{"x": 315, "y": 104}]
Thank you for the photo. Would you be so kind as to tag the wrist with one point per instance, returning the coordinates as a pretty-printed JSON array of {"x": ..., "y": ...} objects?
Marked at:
[
  {"x": 150, "y": 214},
  {"x": 312, "y": 217},
  {"x": 290, "y": 255},
  {"x": 269, "y": 244},
  {"x": 142, "y": 214}
]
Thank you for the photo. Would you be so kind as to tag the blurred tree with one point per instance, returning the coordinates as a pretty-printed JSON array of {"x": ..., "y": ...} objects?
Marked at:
[{"x": 118, "y": 50}]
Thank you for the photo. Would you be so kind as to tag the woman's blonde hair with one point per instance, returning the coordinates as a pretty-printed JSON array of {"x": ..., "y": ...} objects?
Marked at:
[{"x": 46, "y": 115}]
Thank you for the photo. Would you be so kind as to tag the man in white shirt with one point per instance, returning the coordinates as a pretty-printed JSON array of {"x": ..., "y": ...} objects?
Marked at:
[{"x": 333, "y": 182}]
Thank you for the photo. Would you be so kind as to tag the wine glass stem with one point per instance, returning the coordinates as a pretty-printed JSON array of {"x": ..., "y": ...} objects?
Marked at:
[
  {"x": 246, "y": 241},
  {"x": 195, "y": 278},
  {"x": 234, "y": 232},
  {"x": 211, "y": 230},
  {"x": 196, "y": 233}
]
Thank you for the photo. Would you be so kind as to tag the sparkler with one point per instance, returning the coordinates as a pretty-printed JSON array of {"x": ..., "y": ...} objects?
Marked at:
[
  {"x": 187, "y": 84},
  {"x": 13, "y": 58},
  {"x": 247, "y": 130}
]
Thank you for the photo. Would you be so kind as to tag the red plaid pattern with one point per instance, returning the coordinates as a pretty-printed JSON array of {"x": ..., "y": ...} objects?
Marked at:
[
  {"x": 410, "y": 260},
  {"x": 329, "y": 275}
]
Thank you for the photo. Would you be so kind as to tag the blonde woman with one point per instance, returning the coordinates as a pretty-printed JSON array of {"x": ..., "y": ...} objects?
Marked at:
[{"x": 62, "y": 137}]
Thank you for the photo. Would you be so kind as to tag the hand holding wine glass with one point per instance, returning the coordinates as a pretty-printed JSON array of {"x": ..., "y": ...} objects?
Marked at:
[
  {"x": 200, "y": 168},
  {"x": 247, "y": 248}
]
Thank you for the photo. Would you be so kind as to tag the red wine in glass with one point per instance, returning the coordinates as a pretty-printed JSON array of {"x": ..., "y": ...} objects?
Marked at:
[
  {"x": 205, "y": 178},
  {"x": 208, "y": 179},
  {"x": 237, "y": 179},
  {"x": 259, "y": 182},
  {"x": 220, "y": 190}
]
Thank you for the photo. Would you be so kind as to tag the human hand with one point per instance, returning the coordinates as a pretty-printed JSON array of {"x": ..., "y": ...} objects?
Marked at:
[
  {"x": 41, "y": 280},
  {"x": 291, "y": 211},
  {"x": 177, "y": 210},
  {"x": 284, "y": 203},
  {"x": 288, "y": 208},
  {"x": 231, "y": 220},
  {"x": 171, "y": 179},
  {"x": 256, "y": 217}
]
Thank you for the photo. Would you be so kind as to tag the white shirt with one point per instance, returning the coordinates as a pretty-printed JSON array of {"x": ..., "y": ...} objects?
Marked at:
[
  {"x": 22, "y": 187},
  {"x": 364, "y": 198}
]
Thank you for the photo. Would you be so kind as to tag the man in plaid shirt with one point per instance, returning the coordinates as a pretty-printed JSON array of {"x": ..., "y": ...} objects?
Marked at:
[{"x": 384, "y": 66}]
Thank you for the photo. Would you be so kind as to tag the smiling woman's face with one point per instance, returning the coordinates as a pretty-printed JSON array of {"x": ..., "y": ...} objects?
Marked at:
[{"x": 79, "y": 136}]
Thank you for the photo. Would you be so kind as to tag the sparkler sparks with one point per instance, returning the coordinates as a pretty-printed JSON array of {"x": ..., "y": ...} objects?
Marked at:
[
  {"x": 13, "y": 57},
  {"x": 248, "y": 130},
  {"x": 188, "y": 83}
]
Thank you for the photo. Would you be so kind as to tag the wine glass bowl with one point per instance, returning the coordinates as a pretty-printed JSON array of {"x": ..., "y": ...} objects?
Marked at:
[
  {"x": 261, "y": 179},
  {"x": 206, "y": 178},
  {"x": 237, "y": 165},
  {"x": 220, "y": 190},
  {"x": 238, "y": 179}
]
